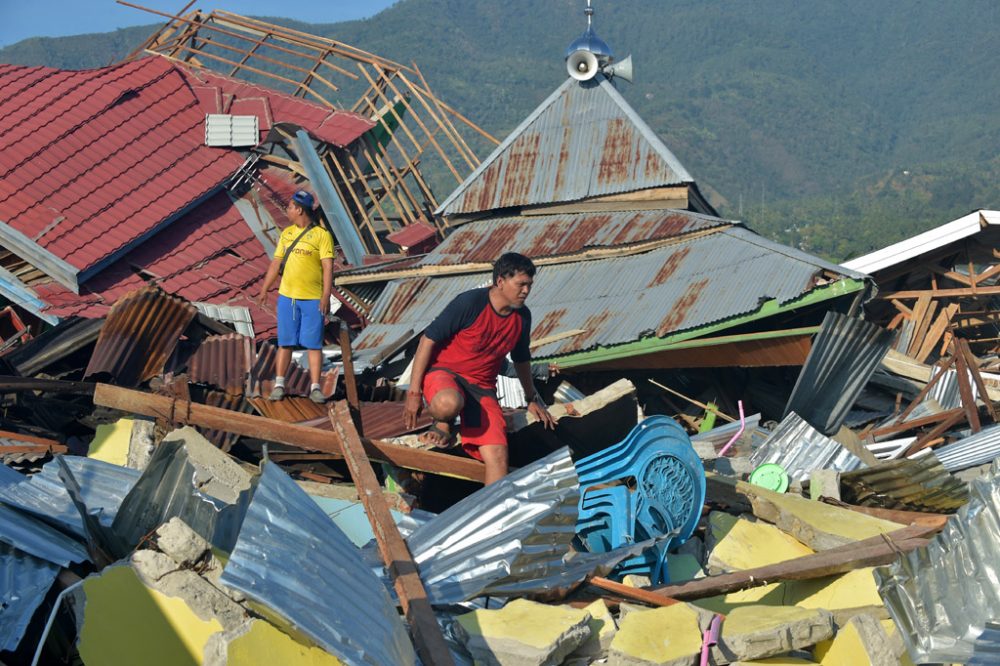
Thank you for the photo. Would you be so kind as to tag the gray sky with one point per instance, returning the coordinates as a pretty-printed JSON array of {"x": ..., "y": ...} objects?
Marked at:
[{"x": 20, "y": 19}]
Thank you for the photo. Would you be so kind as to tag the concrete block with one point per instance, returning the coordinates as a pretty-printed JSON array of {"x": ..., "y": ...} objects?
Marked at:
[
  {"x": 523, "y": 633},
  {"x": 215, "y": 472},
  {"x": 737, "y": 543},
  {"x": 669, "y": 636},
  {"x": 824, "y": 483},
  {"x": 756, "y": 632},
  {"x": 602, "y": 631},
  {"x": 845, "y": 595},
  {"x": 141, "y": 443},
  {"x": 181, "y": 543},
  {"x": 861, "y": 642},
  {"x": 635, "y": 580}
]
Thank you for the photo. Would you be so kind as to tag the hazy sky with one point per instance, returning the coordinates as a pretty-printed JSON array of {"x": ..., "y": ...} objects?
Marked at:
[{"x": 20, "y": 19}]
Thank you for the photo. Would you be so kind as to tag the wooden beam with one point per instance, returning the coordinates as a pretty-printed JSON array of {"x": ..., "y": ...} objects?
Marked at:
[
  {"x": 930, "y": 437},
  {"x": 183, "y": 412},
  {"x": 937, "y": 331},
  {"x": 634, "y": 593},
  {"x": 350, "y": 381},
  {"x": 918, "y": 423},
  {"x": 943, "y": 368},
  {"x": 873, "y": 551},
  {"x": 965, "y": 389},
  {"x": 10, "y": 384},
  {"x": 923, "y": 315},
  {"x": 977, "y": 377},
  {"x": 939, "y": 293},
  {"x": 396, "y": 556}
]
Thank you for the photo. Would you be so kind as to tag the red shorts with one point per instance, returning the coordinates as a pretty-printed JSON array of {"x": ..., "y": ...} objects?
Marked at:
[{"x": 492, "y": 429}]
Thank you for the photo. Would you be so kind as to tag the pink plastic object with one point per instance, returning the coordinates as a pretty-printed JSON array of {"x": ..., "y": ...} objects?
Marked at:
[
  {"x": 710, "y": 638},
  {"x": 743, "y": 425}
]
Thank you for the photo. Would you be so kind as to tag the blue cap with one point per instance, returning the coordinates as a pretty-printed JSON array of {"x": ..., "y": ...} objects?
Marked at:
[{"x": 304, "y": 199}]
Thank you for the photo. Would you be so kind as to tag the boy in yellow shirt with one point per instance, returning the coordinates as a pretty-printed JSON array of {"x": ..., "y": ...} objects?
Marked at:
[{"x": 304, "y": 259}]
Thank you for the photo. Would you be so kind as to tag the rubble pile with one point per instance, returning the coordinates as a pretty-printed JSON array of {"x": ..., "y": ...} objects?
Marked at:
[{"x": 759, "y": 456}]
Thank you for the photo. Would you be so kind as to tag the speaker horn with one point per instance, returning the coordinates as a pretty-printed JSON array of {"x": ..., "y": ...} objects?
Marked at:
[
  {"x": 582, "y": 65},
  {"x": 620, "y": 70}
]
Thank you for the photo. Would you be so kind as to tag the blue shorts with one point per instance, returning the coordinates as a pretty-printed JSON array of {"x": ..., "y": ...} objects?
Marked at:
[{"x": 300, "y": 323}]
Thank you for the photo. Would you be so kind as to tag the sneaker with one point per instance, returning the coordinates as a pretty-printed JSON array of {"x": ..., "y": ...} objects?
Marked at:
[
  {"x": 277, "y": 393},
  {"x": 317, "y": 396}
]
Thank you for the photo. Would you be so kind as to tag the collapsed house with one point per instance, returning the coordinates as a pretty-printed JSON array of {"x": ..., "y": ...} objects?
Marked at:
[{"x": 161, "y": 501}]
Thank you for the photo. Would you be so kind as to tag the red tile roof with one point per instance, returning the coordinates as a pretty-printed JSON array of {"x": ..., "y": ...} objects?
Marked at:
[
  {"x": 95, "y": 160},
  {"x": 239, "y": 98}
]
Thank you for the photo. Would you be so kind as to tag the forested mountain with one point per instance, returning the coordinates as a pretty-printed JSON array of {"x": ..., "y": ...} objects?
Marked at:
[{"x": 834, "y": 126}]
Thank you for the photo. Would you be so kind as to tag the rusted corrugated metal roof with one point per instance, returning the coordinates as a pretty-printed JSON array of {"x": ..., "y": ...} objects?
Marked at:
[
  {"x": 233, "y": 402},
  {"x": 697, "y": 281},
  {"x": 139, "y": 335},
  {"x": 583, "y": 141},
  {"x": 224, "y": 361},
  {"x": 292, "y": 409},
  {"x": 916, "y": 485},
  {"x": 553, "y": 235},
  {"x": 296, "y": 380}
]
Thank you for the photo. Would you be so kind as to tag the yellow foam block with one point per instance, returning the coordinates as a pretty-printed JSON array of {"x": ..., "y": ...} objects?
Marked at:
[
  {"x": 746, "y": 545},
  {"x": 772, "y": 594},
  {"x": 126, "y": 623},
  {"x": 111, "y": 441},
  {"x": 658, "y": 636},
  {"x": 265, "y": 644}
]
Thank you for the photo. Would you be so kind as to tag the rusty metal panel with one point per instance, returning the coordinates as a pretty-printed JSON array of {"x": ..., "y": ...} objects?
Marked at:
[
  {"x": 583, "y": 141},
  {"x": 224, "y": 400},
  {"x": 291, "y": 409},
  {"x": 296, "y": 380},
  {"x": 913, "y": 485},
  {"x": 223, "y": 361},
  {"x": 138, "y": 336},
  {"x": 617, "y": 300}
]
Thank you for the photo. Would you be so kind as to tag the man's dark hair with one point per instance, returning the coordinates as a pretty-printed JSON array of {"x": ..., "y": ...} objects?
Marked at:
[{"x": 511, "y": 263}]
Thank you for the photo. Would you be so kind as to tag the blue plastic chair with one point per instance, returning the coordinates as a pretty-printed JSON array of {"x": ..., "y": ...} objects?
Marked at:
[{"x": 650, "y": 484}]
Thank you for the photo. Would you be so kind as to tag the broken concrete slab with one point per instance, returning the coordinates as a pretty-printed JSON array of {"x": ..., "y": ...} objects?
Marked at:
[
  {"x": 824, "y": 483},
  {"x": 127, "y": 622},
  {"x": 141, "y": 443},
  {"x": 756, "y": 632},
  {"x": 861, "y": 641},
  {"x": 737, "y": 543},
  {"x": 216, "y": 474},
  {"x": 185, "y": 546},
  {"x": 260, "y": 642},
  {"x": 776, "y": 661},
  {"x": 523, "y": 633},
  {"x": 668, "y": 636},
  {"x": 846, "y": 595},
  {"x": 602, "y": 632}
]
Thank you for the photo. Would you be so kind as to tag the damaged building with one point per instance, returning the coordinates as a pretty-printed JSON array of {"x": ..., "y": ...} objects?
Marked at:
[{"x": 759, "y": 456}]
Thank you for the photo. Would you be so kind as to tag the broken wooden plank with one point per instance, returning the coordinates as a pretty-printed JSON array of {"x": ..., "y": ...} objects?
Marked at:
[
  {"x": 965, "y": 389},
  {"x": 977, "y": 377},
  {"x": 940, "y": 293},
  {"x": 182, "y": 412},
  {"x": 874, "y": 551},
  {"x": 918, "y": 422},
  {"x": 935, "y": 520},
  {"x": 633, "y": 593},
  {"x": 928, "y": 439},
  {"x": 396, "y": 556},
  {"x": 10, "y": 384}
]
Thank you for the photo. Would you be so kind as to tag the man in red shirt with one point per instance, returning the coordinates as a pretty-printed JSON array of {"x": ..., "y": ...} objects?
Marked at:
[{"x": 459, "y": 357}]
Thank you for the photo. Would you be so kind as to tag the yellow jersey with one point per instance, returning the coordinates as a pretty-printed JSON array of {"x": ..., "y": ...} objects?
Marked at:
[{"x": 303, "y": 274}]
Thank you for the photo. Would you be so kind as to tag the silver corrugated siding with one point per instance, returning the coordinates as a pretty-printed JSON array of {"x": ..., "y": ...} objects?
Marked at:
[
  {"x": 291, "y": 558},
  {"x": 44, "y": 495},
  {"x": 942, "y": 595},
  {"x": 974, "y": 450},
  {"x": 800, "y": 449},
  {"x": 845, "y": 353},
  {"x": 24, "y": 582},
  {"x": 584, "y": 140},
  {"x": 693, "y": 283},
  {"x": 36, "y": 538}
]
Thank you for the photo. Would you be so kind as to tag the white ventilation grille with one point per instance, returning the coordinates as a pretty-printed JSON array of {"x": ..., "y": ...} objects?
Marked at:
[{"x": 222, "y": 129}]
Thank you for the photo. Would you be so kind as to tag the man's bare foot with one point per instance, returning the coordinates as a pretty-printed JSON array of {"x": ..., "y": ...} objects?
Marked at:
[{"x": 439, "y": 435}]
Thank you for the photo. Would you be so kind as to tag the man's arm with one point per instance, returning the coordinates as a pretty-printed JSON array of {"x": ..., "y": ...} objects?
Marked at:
[
  {"x": 324, "y": 302},
  {"x": 415, "y": 394},
  {"x": 535, "y": 404},
  {"x": 269, "y": 278}
]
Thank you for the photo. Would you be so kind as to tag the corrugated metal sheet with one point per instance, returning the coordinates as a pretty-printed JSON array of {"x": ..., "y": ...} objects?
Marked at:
[
  {"x": 292, "y": 409},
  {"x": 171, "y": 486},
  {"x": 800, "y": 449},
  {"x": 292, "y": 559},
  {"x": 24, "y": 582},
  {"x": 843, "y": 357},
  {"x": 974, "y": 450},
  {"x": 44, "y": 495},
  {"x": 236, "y": 316},
  {"x": 695, "y": 282},
  {"x": 95, "y": 160},
  {"x": 36, "y": 538},
  {"x": 897, "y": 253},
  {"x": 941, "y": 596},
  {"x": 139, "y": 335},
  {"x": 223, "y": 129},
  {"x": 553, "y": 235},
  {"x": 509, "y": 539},
  {"x": 223, "y": 361},
  {"x": 236, "y": 403},
  {"x": 54, "y": 344},
  {"x": 911, "y": 485},
  {"x": 584, "y": 140}
]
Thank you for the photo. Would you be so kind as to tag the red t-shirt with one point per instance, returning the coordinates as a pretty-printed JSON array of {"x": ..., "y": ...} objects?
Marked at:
[{"x": 473, "y": 339}]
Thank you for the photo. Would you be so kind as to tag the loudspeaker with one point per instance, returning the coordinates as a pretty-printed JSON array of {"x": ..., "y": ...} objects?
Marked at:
[
  {"x": 620, "y": 70},
  {"x": 582, "y": 65}
]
